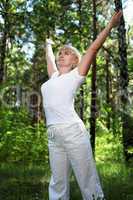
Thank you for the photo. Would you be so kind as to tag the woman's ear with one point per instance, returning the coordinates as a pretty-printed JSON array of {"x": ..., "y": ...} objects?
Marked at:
[
  {"x": 76, "y": 61},
  {"x": 73, "y": 66}
]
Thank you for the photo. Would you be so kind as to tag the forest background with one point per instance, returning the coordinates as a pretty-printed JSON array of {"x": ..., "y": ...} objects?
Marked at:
[{"x": 104, "y": 102}]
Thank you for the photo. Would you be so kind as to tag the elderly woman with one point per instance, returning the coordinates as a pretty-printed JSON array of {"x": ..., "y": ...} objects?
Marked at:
[{"x": 68, "y": 139}]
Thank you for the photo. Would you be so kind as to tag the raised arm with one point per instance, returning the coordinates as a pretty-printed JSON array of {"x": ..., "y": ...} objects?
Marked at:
[
  {"x": 91, "y": 52},
  {"x": 50, "y": 58}
]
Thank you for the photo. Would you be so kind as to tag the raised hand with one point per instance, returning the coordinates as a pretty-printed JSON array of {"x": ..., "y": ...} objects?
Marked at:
[
  {"x": 49, "y": 41},
  {"x": 115, "y": 20}
]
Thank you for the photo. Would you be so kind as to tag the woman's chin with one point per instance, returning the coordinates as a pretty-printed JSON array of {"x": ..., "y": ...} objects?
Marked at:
[{"x": 62, "y": 66}]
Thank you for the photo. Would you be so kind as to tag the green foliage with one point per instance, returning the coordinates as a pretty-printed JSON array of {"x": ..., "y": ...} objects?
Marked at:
[
  {"x": 24, "y": 144},
  {"x": 130, "y": 63},
  {"x": 115, "y": 175},
  {"x": 20, "y": 141},
  {"x": 29, "y": 182},
  {"x": 112, "y": 148}
]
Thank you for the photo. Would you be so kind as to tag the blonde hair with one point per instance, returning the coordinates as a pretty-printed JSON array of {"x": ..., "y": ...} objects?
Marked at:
[{"x": 73, "y": 51}]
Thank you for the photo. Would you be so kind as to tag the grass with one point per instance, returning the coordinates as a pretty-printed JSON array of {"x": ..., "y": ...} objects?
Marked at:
[
  {"x": 116, "y": 175},
  {"x": 19, "y": 182},
  {"x": 116, "y": 181}
]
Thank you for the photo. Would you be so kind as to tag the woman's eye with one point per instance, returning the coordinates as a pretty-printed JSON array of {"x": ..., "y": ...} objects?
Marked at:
[{"x": 67, "y": 53}]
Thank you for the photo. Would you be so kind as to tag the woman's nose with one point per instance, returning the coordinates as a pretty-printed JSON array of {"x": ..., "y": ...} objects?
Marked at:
[{"x": 61, "y": 55}]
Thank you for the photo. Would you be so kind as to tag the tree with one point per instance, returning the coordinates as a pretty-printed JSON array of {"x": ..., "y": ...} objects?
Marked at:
[
  {"x": 93, "y": 85},
  {"x": 124, "y": 82},
  {"x": 4, "y": 6}
]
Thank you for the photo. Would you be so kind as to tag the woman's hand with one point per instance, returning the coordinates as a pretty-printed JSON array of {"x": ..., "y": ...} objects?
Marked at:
[
  {"x": 115, "y": 20},
  {"x": 49, "y": 41}
]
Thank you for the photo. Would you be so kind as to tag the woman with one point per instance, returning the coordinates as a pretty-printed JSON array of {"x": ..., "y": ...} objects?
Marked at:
[{"x": 68, "y": 140}]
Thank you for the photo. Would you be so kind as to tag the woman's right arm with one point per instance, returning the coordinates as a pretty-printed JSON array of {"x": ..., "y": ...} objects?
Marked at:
[
  {"x": 50, "y": 58},
  {"x": 91, "y": 52}
]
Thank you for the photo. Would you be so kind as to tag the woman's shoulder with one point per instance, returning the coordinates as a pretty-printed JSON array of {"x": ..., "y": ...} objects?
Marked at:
[
  {"x": 76, "y": 73},
  {"x": 54, "y": 74}
]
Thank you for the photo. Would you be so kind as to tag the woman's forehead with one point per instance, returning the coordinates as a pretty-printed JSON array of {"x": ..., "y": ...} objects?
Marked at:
[{"x": 66, "y": 49}]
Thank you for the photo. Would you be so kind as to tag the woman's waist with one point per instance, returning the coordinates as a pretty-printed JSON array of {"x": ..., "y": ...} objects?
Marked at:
[{"x": 58, "y": 105}]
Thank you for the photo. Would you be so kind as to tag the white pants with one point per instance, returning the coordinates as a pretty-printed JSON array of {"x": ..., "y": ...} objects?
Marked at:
[{"x": 69, "y": 146}]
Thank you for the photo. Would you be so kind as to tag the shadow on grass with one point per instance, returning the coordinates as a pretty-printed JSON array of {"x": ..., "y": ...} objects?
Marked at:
[
  {"x": 117, "y": 181},
  {"x": 21, "y": 183},
  {"x": 14, "y": 189}
]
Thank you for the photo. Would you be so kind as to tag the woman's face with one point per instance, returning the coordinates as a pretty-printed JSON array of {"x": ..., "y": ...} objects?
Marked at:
[{"x": 66, "y": 58}]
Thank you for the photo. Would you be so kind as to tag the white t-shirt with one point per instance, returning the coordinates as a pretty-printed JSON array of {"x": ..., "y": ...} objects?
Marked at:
[{"x": 58, "y": 97}]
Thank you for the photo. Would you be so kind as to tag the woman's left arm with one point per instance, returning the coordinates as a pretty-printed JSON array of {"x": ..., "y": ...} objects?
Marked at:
[{"x": 91, "y": 52}]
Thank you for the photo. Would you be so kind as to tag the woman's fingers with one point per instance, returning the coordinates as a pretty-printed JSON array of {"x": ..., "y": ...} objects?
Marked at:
[
  {"x": 49, "y": 41},
  {"x": 116, "y": 18},
  {"x": 119, "y": 13}
]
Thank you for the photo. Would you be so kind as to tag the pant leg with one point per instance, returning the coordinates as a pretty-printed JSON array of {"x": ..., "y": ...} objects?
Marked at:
[
  {"x": 60, "y": 167},
  {"x": 81, "y": 158}
]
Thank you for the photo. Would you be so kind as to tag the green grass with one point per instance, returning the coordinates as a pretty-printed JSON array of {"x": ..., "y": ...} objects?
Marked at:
[
  {"x": 19, "y": 182},
  {"x": 116, "y": 175}
]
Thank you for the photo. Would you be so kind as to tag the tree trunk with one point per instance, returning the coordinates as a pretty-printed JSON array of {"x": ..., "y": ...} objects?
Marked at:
[
  {"x": 34, "y": 97},
  {"x": 81, "y": 88},
  {"x": 126, "y": 133},
  {"x": 3, "y": 41},
  {"x": 107, "y": 88},
  {"x": 93, "y": 86}
]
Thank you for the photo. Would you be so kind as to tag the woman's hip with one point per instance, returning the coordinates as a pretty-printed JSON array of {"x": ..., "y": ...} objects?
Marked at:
[{"x": 68, "y": 134}]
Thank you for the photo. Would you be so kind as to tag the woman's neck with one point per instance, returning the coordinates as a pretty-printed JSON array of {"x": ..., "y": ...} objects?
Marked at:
[{"x": 64, "y": 70}]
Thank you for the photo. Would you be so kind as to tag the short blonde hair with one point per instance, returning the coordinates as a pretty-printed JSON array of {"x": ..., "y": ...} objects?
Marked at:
[{"x": 73, "y": 51}]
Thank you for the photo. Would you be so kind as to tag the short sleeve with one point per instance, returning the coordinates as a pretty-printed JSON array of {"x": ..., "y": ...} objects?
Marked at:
[
  {"x": 55, "y": 74},
  {"x": 77, "y": 76}
]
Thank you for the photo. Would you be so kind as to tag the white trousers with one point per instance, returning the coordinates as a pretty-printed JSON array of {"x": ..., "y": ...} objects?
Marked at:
[{"x": 70, "y": 148}]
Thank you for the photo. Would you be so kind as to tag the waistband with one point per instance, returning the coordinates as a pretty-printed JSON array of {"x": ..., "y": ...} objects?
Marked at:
[{"x": 63, "y": 124}]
